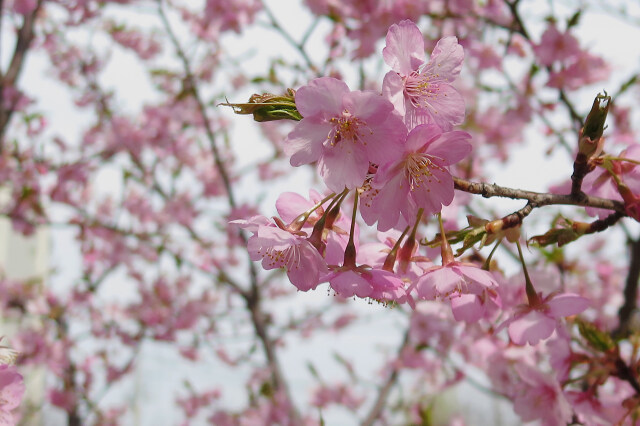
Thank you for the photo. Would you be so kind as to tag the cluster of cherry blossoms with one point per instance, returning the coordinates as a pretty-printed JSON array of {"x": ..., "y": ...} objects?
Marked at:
[{"x": 393, "y": 151}]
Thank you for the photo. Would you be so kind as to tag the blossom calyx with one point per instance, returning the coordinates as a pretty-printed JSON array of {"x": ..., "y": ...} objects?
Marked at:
[{"x": 269, "y": 107}]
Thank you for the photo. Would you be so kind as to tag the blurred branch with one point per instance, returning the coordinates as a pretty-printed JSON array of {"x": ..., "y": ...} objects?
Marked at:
[
  {"x": 10, "y": 77},
  {"x": 385, "y": 389},
  {"x": 625, "y": 314},
  {"x": 299, "y": 47}
]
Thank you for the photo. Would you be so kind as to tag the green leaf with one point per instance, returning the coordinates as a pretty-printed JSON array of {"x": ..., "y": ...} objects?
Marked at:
[{"x": 596, "y": 338}]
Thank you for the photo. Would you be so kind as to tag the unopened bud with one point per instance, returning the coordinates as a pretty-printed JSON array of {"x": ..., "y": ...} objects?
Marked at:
[
  {"x": 590, "y": 141},
  {"x": 269, "y": 107}
]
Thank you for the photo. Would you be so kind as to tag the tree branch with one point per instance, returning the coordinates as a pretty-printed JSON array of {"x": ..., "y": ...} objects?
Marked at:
[
  {"x": 537, "y": 199},
  {"x": 385, "y": 389},
  {"x": 625, "y": 314},
  {"x": 10, "y": 77}
]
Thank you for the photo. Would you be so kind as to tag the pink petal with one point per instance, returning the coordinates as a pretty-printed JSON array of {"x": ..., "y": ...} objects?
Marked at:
[
  {"x": 451, "y": 147},
  {"x": 348, "y": 284},
  {"x": 344, "y": 165},
  {"x": 441, "y": 281},
  {"x": 434, "y": 192},
  {"x": 306, "y": 273},
  {"x": 467, "y": 307},
  {"x": 478, "y": 275},
  {"x": 446, "y": 107},
  {"x": 367, "y": 105},
  {"x": 304, "y": 142},
  {"x": 531, "y": 328},
  {"x": 391, "y": 194},
  {"x": 322, "y": 96},
  {"x": 393, "y": 90},
  {"x": 567, "y": 304},
  {"x": 290, "y": 205},
  {"x": 422, "y": 136},
  {"x": 404, "y": 51},
  {"x": 446, "y": 59}
]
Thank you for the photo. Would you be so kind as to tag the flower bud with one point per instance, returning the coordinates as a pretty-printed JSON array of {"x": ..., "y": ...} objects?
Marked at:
[
  {"x": 590, "y": 141},
  {"x": 269, "y": 107}
]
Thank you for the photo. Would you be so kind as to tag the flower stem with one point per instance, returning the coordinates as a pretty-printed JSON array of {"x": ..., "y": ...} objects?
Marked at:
[
  {"x": 350, "y": 250},
  {"x": 532, "y": 296},
  {"x": 493, "y": 250},
  {"x": 445, "y": 247}
]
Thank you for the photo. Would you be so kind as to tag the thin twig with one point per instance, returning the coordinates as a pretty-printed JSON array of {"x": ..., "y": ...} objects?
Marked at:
[
  {"x": 385, "y": 389},
  {"x": 10, "y": 77}
]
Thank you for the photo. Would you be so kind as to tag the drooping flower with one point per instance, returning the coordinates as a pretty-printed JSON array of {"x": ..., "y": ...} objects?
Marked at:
[
  {"x": 530, "y": 324},
  {"x": 363, "y": 281},
  {"x": 343, "y": 131},
  {"x": 423, "y": 94},
  {"x": 278, "y": 247},
  {"x": 419, "y": 179},
  {"x": 471, "y": 290}
]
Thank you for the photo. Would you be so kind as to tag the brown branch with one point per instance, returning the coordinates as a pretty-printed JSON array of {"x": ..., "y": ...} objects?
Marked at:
[
  {"x": 509, "y": 221},
  {"x": 10, "y": 77},
  {"x": 581, "y": 168},
  {"x": 385, "y": 389},
  {"x": 538, "y": 199},
  {"x": 602, "y": 224},
  {"x": 625, "y": 314}
]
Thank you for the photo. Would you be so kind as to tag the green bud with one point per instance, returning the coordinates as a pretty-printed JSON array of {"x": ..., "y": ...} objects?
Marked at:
[
  {"x": 269, "y": 107},
  {"x": 593, "y": 128}
]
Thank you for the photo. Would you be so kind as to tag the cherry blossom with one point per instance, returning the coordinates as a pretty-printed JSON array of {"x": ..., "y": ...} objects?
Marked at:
[
  {"x": 423, "y": 93},
  {"x": 420, "y": 179},
  {"x": 530, "y": 324},
  {"x": 539, "y": 397},
  {"x": 278, "y": 248},
  {"x": 343, "y": 131},
  {"x": 11, "y": 392}
]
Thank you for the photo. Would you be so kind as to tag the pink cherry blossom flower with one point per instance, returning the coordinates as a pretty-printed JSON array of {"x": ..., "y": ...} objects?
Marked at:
[
  {"x": 278, "y": 248},
  {"x": 600, "y": 183},
  {"x": 471, "y": 290},
  {"x": 363, "y": 282},
  {"x": 530, "y": 324},
  {"x": 556, "y": 46},
  {"x": 11, "y": 393},
  {"x": 340, "y": 394},
  {"x": 594, "y": 410},
  {"x": 343, "y": 131},
  {"x": 423, "y": 95},
  {"x": 419, "y": 179},
  {"x": 538, "y": 396},
  {"x": 586, "y": 69}
]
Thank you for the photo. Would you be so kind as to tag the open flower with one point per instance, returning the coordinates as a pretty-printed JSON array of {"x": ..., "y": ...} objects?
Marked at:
[
  {"x": 278, "y": 247},
  {"x": 363, "y": 281},
  {"x": 423, "y": 94},
  {"x": 530, "y": 324},
  {"x": 343, "y": 131},
  {"x": 471, "y": 290},
  {"x": 419, "y": 179}
]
